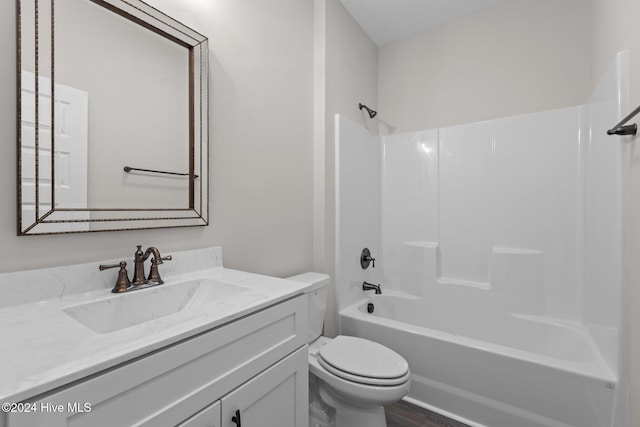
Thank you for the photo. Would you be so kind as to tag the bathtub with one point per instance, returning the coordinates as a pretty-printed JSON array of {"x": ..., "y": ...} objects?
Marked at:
[{"x": 493, "y": 370}]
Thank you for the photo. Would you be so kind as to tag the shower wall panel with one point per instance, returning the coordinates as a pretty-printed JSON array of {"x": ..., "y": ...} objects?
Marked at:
[
  {"x": 535, "y": 199},
  {"x": 606, "y": 160},
  {"x": 410, "y": 210},
  {"x": 464, "y": 194},
  {"x": 358, "y": 202},
  {"x": 495, "y": 206}
]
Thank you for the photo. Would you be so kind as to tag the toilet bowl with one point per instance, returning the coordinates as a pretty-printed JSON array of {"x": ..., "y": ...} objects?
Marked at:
[{"x": 351, "y": 378}]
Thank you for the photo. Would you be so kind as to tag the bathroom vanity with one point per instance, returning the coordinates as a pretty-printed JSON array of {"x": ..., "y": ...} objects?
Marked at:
[{"x": 210, "y": 347}]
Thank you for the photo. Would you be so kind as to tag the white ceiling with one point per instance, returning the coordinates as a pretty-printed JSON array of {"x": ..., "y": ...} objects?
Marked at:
[{"x": 387, "y": 21}]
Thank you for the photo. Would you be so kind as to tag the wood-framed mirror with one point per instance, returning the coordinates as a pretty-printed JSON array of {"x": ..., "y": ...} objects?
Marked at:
[{"x": 112, "y": 118}]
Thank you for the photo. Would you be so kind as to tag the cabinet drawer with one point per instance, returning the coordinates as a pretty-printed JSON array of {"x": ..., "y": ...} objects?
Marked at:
[{"x": 170, "y": 385}]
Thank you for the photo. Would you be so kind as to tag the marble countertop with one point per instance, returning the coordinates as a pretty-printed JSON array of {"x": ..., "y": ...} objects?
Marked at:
[{"x": 43, "y": 348}]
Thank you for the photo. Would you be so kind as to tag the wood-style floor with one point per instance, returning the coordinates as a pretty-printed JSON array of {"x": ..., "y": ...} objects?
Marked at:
[{"x": 403, "y": 414}]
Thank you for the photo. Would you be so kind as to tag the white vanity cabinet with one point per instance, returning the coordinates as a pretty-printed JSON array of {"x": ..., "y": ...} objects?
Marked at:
[{"x": 257, "y": 365}]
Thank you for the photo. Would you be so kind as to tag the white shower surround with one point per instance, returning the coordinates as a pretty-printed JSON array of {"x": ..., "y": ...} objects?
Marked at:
[{"x": 517, "y": 222}]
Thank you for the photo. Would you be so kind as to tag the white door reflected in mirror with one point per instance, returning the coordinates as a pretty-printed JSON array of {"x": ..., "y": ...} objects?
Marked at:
[{"x": 69, "y": 154}]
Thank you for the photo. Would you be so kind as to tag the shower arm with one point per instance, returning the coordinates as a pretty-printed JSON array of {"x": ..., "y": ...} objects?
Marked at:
[{"x": 372, "y": 113}]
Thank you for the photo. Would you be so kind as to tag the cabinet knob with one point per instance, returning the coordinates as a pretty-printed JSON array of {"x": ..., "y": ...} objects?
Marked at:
[{"x": 236, "y": 418}]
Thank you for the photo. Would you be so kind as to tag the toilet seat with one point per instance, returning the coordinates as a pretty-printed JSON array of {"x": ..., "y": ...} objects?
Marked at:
[
  {"x": 363, "y": 380},
  {"x": 363, "y": 361},
  {"x": 360, "y": 395}
]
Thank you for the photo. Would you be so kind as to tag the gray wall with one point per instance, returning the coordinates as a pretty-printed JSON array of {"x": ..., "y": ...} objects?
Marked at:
[
  {"x": 518, "y": 57},
  {"x": 261, "y": 144}
]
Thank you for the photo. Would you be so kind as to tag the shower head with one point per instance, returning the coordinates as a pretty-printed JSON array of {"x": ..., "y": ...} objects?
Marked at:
[{"x": 372, "y": 113}]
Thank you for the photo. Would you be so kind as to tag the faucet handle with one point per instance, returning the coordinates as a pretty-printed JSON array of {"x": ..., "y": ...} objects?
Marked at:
[
  {"x": 154, "y": 274},
  {"x": 366, "y": 258},
  {"x": 122, "y": 283},
  {"x": 164, "y": 258}
]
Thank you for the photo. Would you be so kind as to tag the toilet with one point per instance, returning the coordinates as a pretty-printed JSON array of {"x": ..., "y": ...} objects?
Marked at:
[{"x": 351, "y": 378}]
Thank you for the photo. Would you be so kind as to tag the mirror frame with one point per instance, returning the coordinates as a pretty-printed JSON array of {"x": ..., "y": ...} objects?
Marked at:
[{"x": 56, "y": 221}]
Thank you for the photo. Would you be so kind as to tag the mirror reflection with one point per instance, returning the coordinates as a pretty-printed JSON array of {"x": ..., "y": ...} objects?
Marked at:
[
  {"x": 137, "y": 85},
  {"x": 107, "y": 87}
]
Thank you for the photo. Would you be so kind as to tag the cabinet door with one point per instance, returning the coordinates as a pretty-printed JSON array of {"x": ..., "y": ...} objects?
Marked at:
[
  {"x": 278, "y": 397},
  {"x": 208, "y": 417}
]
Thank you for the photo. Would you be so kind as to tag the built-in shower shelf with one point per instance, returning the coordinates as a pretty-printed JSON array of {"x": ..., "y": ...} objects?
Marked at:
[
  {"x": 461, "y": 282},
  {"x": 515, "y": 251},
  {"x": 512, "y": 269}
]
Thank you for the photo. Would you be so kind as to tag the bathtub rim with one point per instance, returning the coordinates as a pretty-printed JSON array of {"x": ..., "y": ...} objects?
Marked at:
[{"x": 597, "y": 369}]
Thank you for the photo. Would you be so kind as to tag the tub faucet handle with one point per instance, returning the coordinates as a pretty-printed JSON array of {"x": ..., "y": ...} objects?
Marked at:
[{"x": 366, "y": 258}]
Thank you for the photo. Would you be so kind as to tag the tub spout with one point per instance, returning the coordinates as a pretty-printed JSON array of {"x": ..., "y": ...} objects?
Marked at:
[{"x": 371, "y": 287}]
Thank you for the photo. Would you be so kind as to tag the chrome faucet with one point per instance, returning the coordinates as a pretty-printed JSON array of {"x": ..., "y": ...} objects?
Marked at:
[
  {"x": 139, "y": 258},
  {"x": 371, "y": 287}
]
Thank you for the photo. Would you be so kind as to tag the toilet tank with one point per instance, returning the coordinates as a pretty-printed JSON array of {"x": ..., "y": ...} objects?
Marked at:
[{"x": 316, "y": 299}]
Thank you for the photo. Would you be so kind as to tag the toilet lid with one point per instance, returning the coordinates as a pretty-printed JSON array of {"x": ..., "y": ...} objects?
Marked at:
[{"x": 360, "y": 360}]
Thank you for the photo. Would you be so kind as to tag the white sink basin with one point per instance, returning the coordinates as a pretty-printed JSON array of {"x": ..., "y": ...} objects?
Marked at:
[{"x": 133, "y": 308}]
